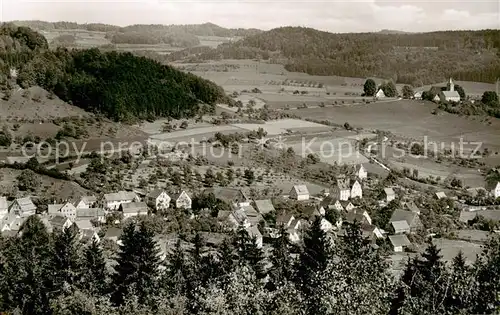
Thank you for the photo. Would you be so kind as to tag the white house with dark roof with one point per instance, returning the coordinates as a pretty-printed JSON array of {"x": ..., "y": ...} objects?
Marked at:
[
  {"x": 158, "y": 199},
  {"x": 181, "y": 200},
  {"x": 253, "y": 216},
  {"x": 114, "y": 200},
  {"x": 299, "y": 192},
  {"x": 23, "y": 207},
  {"x": 66, "y": 209},
  {"x": 232, "y": 196},
  {"x": 411, "y": 218},
  {"x": 4, "y": 207},
  {"x": 10, "y": 222},
  {"x": 132, "y": 209},
  {"x": 332, "y": 203},
  {"x": 86, "y": 202}
]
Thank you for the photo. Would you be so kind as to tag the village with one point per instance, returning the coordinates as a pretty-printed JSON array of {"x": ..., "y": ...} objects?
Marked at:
[{"x": 100, "y": 218}]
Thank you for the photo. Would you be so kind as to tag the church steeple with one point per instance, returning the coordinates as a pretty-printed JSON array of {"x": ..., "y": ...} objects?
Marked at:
[{"x": 451, "y": 85}]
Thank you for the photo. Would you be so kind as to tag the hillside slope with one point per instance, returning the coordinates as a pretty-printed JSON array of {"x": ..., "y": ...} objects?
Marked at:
[
  {"x": 121, "y": 86},
  {"x": 416, "y": 59}
]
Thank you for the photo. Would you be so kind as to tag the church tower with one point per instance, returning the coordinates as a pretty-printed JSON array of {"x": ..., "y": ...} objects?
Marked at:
[{"x": 451, "y": 85}]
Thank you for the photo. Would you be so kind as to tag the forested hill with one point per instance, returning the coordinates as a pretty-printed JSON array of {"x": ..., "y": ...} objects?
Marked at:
[
  {"x": 419, "y": 58},
  {"x": 122, "y": 86}
]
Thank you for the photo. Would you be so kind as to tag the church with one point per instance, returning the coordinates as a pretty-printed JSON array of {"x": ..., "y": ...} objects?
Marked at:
[{"x": 450, "y": 95}]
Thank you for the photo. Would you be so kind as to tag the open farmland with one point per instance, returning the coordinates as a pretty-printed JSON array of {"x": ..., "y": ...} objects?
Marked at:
[{"x": 412, "y": 120}]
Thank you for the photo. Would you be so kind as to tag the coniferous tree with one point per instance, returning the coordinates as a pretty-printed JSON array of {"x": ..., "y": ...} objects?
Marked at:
[
  {"x": 138, "y": 265},
  {"x": 65, "y": 259},
  {"x": 370, "y": 87},
  {"x": 94, "y": 273},
  {"x": 248, "y": 252},
  {"x": 487, "y": 277},
  {"x": 177, "y": 272},
  {"x": 282, "y": 263}
]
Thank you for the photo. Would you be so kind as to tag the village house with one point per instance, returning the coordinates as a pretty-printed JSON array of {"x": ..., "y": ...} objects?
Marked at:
[
  {"x": 264, "y": 206},
  {"x": 84, "y": 224},
  {"x": 4, "y": 207},
  {"x": 132, "y": 209},
  {"x": 356, "y": 190},
  {"x": 88, "y": 236},
  {"x": 399, "y": 242},
  {"x": 372, "y": 232},
  {"x": 341, "y": 191},
  {"x": 86, "y": 202},
  {"x": 59, "y": 222},
  {"x": 97, "y": 214},
  {"x": 65, "y": 209},
  {"x": 389, "y": 194},
  {"x": 417, "y": 95},
  {"x": 436, "y": 98},
  {"x": 285, "y": 220},
  {"x": 114, "y": 200},
  {"x": 158, "y": 199},
  {"x": 294, "y": 230},
  {"x": 23, "y": 207},
  {"x": 361, "y": 172},
  {"x": 11, "y": 222},
  {"x": 299, "y": 192},
  {"x": 411, "y": 218},
  {"x": 450, "y": 95},
  {"x": 347, "y": 206},
  {"x": 181, "y": 200},
  {"x": 232, "y": 196},
  {"x": 254, "y": 217},
  {"x": 358, "y": 215},
  {"x": 332, "y": 203},
  {"x": 227, "y": 220},
  {"x": 400, "y": 227}
]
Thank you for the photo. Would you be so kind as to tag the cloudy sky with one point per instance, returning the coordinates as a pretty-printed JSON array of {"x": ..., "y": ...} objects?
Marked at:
[{"x": 329, "y": 15}]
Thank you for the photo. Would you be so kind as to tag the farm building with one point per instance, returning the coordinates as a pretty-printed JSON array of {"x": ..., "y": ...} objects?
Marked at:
[
  {"x": 411, "y": 219},
  {"x": 332, "y": 203},
  {"x": 66, "y": 209},
  {"x": 254, "y": 232},
  {"x": 285, "y": 220},
  {"x": 86, "y": 202},
  {"x": 158, "y": 199},
  {"x": 254, "y": 217},
  {"x": 389, "y": 194},
  {"x": 60, "y": 222},
  {"x": 411, "y": 206},
  {"x": 299, "y": 192},
  {"x": 347, "y": 206},
  {"x": 399, "y": 242},
  {"x": 132, "y": 209},
  {"x": 400, "y": 227},
  {"x": 417, "y": 95},
  {"x": 10, "y": 222},
  {"x": 264, "y": 206},
  {"x": 114, "y": 200},
  {"x": 181, "y": 200},
  {"x": 91, "y": 213},
  {"x": 380, "y": 94},
  {"x": 23, "y": 207},
  {"x": 229, "y": 195},
  {"x": 436, "y": 98}
]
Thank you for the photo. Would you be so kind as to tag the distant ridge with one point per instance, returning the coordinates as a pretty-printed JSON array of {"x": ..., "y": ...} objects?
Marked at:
[{"x": 392, "y": 32}]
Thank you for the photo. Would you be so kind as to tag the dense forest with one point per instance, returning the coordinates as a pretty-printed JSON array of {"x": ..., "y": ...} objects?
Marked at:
[
  {"x": 57, "y": 273},
  {"x": 417, "y": 59},
  {"x": 122, "y": 86}
]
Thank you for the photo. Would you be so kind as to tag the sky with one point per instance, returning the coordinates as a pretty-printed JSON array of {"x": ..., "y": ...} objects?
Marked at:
[{"x": 328, "y": 15}]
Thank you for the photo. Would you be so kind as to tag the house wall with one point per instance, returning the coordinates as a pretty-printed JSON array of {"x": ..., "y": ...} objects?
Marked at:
[
  {"x": 362, "y": 174},
  {"x": 114, "y": 205},
  {"x": 184, "y": 201},
  {"x": 162, "y": 202},
  {"x": 83, "y": 205},
  {"x": 356, "y": 190},
  {"x": 390, "y": 197},
  {"x": 302, "y": 197},
  {"x": 398, "y": 249},
  {"x": 496, "y": 191}
]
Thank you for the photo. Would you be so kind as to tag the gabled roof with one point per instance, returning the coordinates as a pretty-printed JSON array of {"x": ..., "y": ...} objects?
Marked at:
[
  {"x": 84, "y": 224},
  {"x": 284, "y": 219},
  {"x": 264, "y": 206},
  {"x": 311, "y": 212},
  {"x": 399, "y": 240},
  {"x": 176, "y": 195},
  {"x": 240, "y": 216},
  {"x": 301, "y": 190},
  {"x": 227, "y": 194},
  {"x": 389, "y": 191},
  {"x": 3, "y": 203},
  {"x": 113, "y": 232},
  {"x": 87, "y": 199},
  {"x": 403, "y": 215},
  {"x": 493, "y": 215},
  {"x": 450, "y": 94},
  {"x": 25, "y": 204},
  {"x": 54, "y": 208},
  {"x": 490, "y": 186},
  {"x": 134, "y": 207},
  {"x": 119, "y": 196},
  {"x": 155, "y": 193},
  {"x": 253, "y": 231},
  {"x": 58, "y": 220},
  {"x": 90, "y": 212},
  {"x": 400, "y": 225},
  {"x": 411, "y": 206},
  {"x": 223, "y": 215},
  {"x": 330, "y": 200},
  {"x": 345, "y": 204}
]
